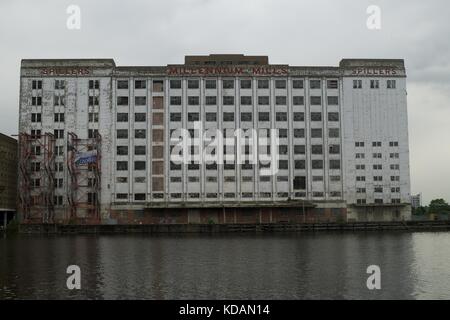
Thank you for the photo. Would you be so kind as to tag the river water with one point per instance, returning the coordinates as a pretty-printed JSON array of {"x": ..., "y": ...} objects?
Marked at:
[{"x": 265, "y": 266}]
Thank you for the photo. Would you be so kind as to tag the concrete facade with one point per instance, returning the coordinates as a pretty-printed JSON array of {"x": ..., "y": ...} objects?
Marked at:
[{"x": 320, "y": 118}]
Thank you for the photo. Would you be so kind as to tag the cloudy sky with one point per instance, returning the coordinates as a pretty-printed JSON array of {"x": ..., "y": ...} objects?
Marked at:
[{"x": 291, "y": 32}]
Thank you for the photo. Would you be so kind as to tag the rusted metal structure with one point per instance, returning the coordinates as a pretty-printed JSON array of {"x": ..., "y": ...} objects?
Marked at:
[
  {"x": 83, "y": 163},
  {"x": 36, "y": 174}
]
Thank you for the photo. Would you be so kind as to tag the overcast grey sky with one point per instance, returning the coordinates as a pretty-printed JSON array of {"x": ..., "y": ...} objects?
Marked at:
[{"x": 290, "y": 32}]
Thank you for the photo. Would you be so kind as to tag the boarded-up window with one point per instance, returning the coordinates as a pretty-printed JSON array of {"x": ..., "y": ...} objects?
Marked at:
[
  {"x": 158, "y": 102},
  {"x": 158, "y": 135},
  {"x": 158, "y": 119},
  {"x": 158, "y": 152},
  {"x": 158, "y": 184},
  {"x": 157, "y": 167}
]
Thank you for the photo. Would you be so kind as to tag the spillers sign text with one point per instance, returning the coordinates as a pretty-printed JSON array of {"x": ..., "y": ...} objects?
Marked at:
[
  {"x": 231, "y": 70},
  {"x": 69, "y": 71},
  {"x": 375, "y": 71}
]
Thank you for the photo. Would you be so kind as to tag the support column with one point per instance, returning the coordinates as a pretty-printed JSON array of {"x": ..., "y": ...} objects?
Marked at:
[{"x": 5, "y": 219}]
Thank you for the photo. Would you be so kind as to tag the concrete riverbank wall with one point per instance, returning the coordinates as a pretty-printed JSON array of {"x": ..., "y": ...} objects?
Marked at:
[{"x": 228, "y": 228}]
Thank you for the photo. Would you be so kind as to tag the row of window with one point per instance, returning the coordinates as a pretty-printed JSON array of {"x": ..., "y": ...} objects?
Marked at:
[
  {"x": 377, "y": 167},
  {"x": 377, "y": 178},
  {"x": 377, "y": 155},
  {"x": 376, "y": 144},
  {"x": 378, "y": 201},
  {"x": 228, "y": 195},
  {"x": 375, "y": 84}
]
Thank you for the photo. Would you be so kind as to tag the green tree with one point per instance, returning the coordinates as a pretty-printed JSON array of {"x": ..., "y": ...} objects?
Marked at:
[
  {"x": 439, "y": 206},
  {"x": 420, "y": 210}
]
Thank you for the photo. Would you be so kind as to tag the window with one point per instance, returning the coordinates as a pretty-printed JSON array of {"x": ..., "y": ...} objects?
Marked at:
[
  {"x": 280, "y": 100},
  {"x": 391, "y": 84},
  {"x": 299, "y": 164},
  {"x": 316, "y": 149},
  {"x": 332, "y": 84},
  {"x": 263, "y": 100},
  {"x": 263, "y": 116},
  {"x": 299, "y": 183},
  {"x": 263, "y": 84},
  {"x": 377, "y": 155},
  {"x": 121, "y": 165},
  {"x": 395, "y": 167},
  {"x": 210, "y": 100},
  {"x": 282, "y": 149},
  {"x": 334, "y": 149},
  {"x": 122, "y": 150},
  {"x": 374, "y": 84},
  {"x": 210, "y": 84},
  {"x": 300, "y": 133},
  {"x": 122, "y": 117},
  {"x": 335, "y": 164},
  {"x": 317, "y": 164},
  {"x": 316, "y": 116},
  {"x": 316, "y": 133},
  {"x": 35, "y": 134},
  {"x": 193, "y": 100},
  {"x": 175, "y": 84},
  {"x": 175, "y": 116},
  {"x": 93, "y": 101},
  {"x": 211, "y": 116},
  {"x": 317, "y": 178},
  {"x": 377, "y": 167},
  {"x": 59, "y": 100},
  {"x": 139, "y": 150},
  {"x": 333, "y": 100},
  {"x": 122, "y": 84},
  {"x": 121, "y": 196},
  {"x": 280, "y": 84},
  {"x": 58, "y": 133},
  {"x": 139, "y": 165},
  {"x": 139, "y": 117},
  {"x": 282, "y": 133},
  {"x": 298, "y": 100},
  {"x": 299, "y": 149},
  {"x": 246, "y": 116},
  {"x": 395, "y": 178},
  {"x": 246, "y": 100},
  {"x": 93, "y": 117},
  {"x": 140, "y": 101},
  {"x": 316, "y": 100},
  {"x": 94, "y": 84},
  {"x": 122, "y": 101},
  {"x": 36, "y": 84},
  {"x": 228, "y": 84},
  {"x": 360, "y": 178},
  {"x": 314, "y": 84},
  {"x": 193, "y": 116},
  {"x": 357, "y": 84},
  {"x": 193, "y": 84},
  {"x": 394, "y": 155},
  {"x": 139, "y": 133},
  {"x": 359, "y": 144},
  {"x": 140, "y": 84},
  {"x": 36, "y": 117},
  {"x": 36, "y": 101},
  {"x": 228, "y": 116},
  {"x": 360, "y": 201},
  {"x": 333, "y": 132},
  {"x": 393, "y": 144},
  {"x": 359, "y": 155},
  {"x": 378, "y": 178},
  {"x": 59, "y": 117},
  {"x": 376, "y": 144},
  {"x": 92, "y": 133},
  {"x": 333, "y": 116},
  {"x": 299, "y": 116},
  {"x": 281, "y": 116},
  {"x": 139, "y": 196},
  {"x": 246, "y": 84},
  {"x": 228, "y": 100},
  {"x": 282, "y": 164},
  {"x": 297, "y": 84},
  {"x": 122, "y": 134}
]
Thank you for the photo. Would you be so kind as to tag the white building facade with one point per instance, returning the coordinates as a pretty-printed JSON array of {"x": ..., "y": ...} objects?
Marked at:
[{"x": 342, "y": 141}]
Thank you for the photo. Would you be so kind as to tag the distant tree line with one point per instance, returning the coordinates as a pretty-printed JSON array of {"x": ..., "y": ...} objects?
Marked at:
[{"x": 436, "y": 206}]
